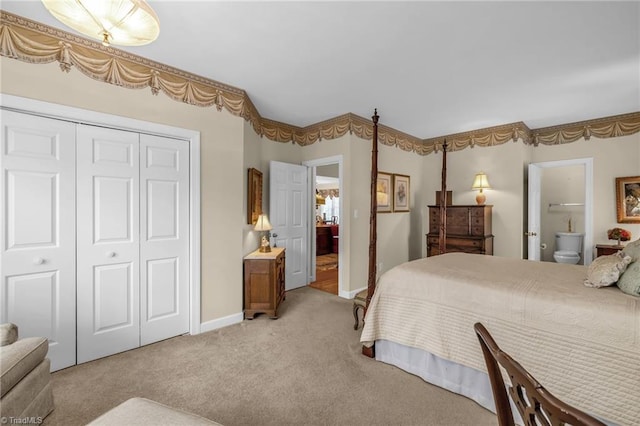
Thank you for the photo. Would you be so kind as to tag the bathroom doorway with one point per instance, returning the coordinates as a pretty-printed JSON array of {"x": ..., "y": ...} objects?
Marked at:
[
  {"x": 560, "y": 201},
  {"x": 326, "y": 232}
]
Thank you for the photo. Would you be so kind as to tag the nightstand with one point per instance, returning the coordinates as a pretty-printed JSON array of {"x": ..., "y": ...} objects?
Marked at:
[
  {"x": 607, "y": 249},
  {"x": 264, "y": 282}
]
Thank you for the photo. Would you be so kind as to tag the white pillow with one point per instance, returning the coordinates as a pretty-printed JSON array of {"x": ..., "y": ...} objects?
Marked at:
[{"x": 606, "y": 270}]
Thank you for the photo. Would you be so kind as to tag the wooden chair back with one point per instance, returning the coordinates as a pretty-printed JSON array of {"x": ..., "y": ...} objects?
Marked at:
[{"x": 537, "y": 406}]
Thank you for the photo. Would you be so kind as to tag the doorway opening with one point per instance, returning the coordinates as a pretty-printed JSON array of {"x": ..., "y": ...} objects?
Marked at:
[
  {"x": 560, "y": 210},
  {"x": 325, "y": 229}
]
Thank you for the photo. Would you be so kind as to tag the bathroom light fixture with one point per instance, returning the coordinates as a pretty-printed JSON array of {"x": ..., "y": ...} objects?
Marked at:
[
  {"x": 480, "y": 182},
  {"x": 262, "y": 224},
  {"x": 119, "y": 22}
]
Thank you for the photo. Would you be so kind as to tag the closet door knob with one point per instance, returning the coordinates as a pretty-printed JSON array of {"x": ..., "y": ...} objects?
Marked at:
[
  {"x": 111, "y": 254},
  {"x": 38, "y": 261}
]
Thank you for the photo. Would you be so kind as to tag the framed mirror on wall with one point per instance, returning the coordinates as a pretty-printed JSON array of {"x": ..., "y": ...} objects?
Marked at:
[{"x": 254, "y": 195}]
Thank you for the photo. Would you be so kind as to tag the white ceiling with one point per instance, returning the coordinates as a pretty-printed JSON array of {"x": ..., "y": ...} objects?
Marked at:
[{"x": 431, "y": 68}]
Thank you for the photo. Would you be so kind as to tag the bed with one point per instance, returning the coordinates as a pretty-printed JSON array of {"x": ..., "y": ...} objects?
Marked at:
[{"x": 583, "y": 343}]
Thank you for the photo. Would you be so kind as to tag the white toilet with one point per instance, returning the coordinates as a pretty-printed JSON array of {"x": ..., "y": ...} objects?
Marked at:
[{"x": 568, "y": 247}]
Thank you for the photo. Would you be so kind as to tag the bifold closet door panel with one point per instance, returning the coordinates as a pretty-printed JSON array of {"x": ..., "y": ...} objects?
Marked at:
[
  {"x": 164, "y": 238},
  {"x": 37, "y": 213},
  {"x": 108, "y": 260}
]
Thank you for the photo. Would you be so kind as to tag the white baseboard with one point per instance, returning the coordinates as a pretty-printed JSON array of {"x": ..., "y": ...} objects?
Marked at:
[
  {"x": 221, "y": 322},
  {"x": 351, "y": 294}
]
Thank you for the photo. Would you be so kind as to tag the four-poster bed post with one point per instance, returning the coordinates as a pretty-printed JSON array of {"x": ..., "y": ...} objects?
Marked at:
[
  {"x": 442, "y": 237},
  {"x": 373, "y": 236},
  {"x": 371, "y": 284}
]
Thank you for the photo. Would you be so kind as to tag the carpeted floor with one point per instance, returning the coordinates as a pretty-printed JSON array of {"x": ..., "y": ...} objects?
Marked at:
[{"x": 304, "y": 368}]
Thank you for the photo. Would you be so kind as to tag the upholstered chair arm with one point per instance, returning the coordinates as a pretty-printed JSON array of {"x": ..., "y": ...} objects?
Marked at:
[{"x": 8, "y": 333}]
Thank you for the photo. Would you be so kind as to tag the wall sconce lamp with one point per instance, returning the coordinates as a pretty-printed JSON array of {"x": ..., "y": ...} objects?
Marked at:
[
  {"x": 481, "y": 182},
  {"x": 262, "y": 224},
  {"x": 124, "y": 22},
  {"x": 319, "y": 198}
]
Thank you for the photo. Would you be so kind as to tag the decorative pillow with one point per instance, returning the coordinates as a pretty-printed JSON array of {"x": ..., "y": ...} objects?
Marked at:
[
  {"x": 605, "y": 270},
  {"x": 629, "y": 281},
  {"x": 633, "y": 249}
]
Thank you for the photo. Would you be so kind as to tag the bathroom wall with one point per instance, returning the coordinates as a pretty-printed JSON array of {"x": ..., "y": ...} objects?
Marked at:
[{"x": 560, "y": 185}]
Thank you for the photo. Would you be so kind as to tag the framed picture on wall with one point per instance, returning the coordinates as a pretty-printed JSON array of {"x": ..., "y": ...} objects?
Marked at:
[
  {"x": 254, "y": 196},
  {"x": 628, "y": 199},
  {"x": 384, "y": 193},
  {"x": 401, "y": 193}
]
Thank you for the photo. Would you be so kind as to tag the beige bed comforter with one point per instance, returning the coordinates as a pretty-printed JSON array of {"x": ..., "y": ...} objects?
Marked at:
[{"x": 582, "y": 343}]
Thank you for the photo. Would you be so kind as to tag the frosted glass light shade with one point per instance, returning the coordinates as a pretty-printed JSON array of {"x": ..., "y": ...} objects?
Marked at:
[
  {"x": 120, "y": 22},
  {"x": 263, "y": 224}
]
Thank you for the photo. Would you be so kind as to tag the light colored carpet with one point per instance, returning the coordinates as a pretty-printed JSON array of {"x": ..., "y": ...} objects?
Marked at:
[{"x": 304, "y": 368}]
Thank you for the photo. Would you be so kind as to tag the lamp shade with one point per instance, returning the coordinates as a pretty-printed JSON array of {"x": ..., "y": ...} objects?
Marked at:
[
  {"x": 262, "y": 224},
  {"x": 481, "y": 182},
  {"x": 120, "y": 22}
]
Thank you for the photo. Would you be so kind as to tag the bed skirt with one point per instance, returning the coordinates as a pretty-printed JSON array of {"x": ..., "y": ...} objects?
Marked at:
[{"x": 454, "y": 377}]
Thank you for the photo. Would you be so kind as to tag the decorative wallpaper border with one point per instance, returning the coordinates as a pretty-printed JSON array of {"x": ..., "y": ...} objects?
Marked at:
[{"x": 36, "y": 43}]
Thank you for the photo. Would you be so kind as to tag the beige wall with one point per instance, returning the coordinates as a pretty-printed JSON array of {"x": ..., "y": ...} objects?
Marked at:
[
  {"x": 398, "y": 233},
  {"x": 222, "y": 190},
  {"x": 229, "y": 146},
  {"x": 506, "y": 167},
  {"x": 503, "y": 165},
  {"x": 615, "y": 157},
  {"x": 401, "y": 235}
]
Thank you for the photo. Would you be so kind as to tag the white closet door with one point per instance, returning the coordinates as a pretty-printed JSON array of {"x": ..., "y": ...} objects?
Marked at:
[
  {"x": 37, "y": 214},
  {"x": 108, "y": 242},
  {"x": 164, "y": 238}
]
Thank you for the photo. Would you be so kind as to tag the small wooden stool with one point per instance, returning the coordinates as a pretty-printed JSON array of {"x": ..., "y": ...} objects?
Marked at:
[{"x": 359, "y": 302}]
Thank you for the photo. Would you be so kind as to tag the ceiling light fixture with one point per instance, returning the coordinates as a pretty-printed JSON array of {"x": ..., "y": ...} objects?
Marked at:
[{"x": 119, "y": 22}]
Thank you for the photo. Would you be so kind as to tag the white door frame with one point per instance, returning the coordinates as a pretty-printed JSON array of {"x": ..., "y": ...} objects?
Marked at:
[
  {"x": 535, "y": 183},
  {"x": 81, "y": 116},
  {"x": 312, "y": 164}
]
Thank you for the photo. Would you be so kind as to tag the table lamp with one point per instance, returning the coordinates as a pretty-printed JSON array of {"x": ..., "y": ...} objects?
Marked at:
[
  {"x": 262, "y": 224},
  {"x": 481, "y": 182}
]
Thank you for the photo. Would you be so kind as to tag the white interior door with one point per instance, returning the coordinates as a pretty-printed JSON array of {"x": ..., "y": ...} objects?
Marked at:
[
  {"x": 108, "y": 242},
  {"x": 533, "y": 231},
  {"x": 164, "y": 238},
  {"x": 288, "y": 215},
  {"x": 37, "y": 214}
]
